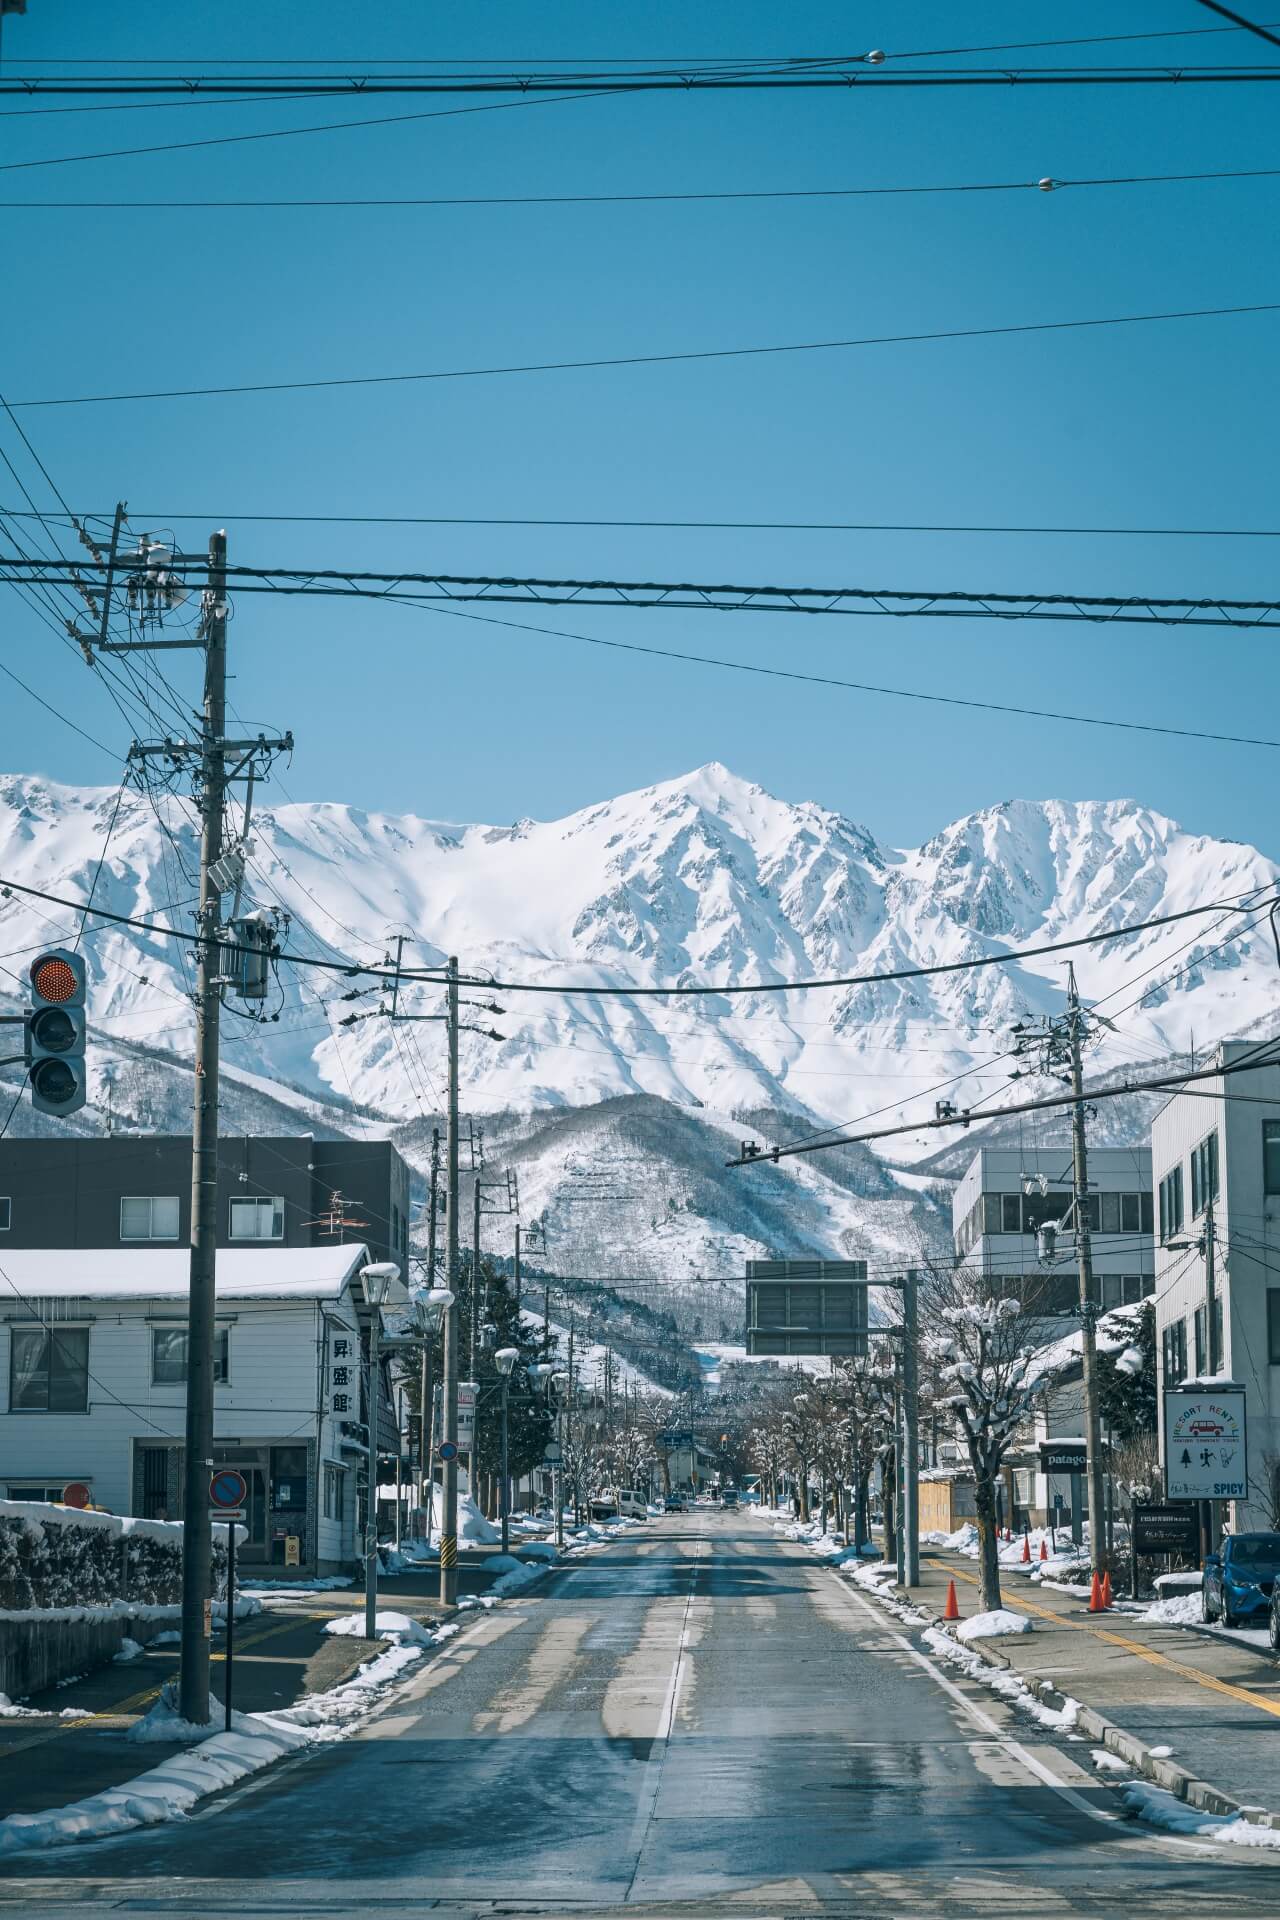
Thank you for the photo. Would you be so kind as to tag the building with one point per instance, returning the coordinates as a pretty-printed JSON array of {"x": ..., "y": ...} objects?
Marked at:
[
  {"x": 93, "y": 1363},
  {"x": 1215, "y": 1153},
  {"x": 135, "y": 1190},
  {"x": 1008, "y": 1193}
]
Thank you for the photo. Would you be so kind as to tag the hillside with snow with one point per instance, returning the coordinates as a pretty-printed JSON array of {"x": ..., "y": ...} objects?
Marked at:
[{"x": 620, "y": 1111}]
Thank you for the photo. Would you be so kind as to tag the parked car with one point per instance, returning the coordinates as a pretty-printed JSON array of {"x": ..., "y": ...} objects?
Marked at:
[
  {"x": 729, "y": 1497},
  {"x": 674, "y": 1503},
  {"x": 1240, "y": 1579}
]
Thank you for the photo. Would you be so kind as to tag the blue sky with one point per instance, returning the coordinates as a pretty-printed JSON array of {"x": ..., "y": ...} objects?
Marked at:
[{"x": 1171, "y": 425}]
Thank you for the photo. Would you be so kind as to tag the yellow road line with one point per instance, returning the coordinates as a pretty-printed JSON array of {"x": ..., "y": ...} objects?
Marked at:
[
  {"x": 1207, "y": 1680},
  {"x": 137, "y": 1701}
]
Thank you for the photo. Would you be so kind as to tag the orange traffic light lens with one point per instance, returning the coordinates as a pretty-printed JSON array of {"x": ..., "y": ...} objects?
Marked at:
[{"x": 54, "y": 980}]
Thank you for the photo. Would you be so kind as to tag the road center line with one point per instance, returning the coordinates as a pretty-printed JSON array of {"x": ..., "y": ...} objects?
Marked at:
[{"x": 652, "y": 1779}]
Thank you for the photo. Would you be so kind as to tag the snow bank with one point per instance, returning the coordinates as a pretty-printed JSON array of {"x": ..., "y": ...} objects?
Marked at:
[
  {"x": 989, "y": 1626},
  {"x": 1162, "y": 1809},
  {"x": 388, "y": 1626},
  {"x": 473, "y": 1529},
  {"x": 1009, "y": 1685},
  {"x": 1179, "y": 1610}
]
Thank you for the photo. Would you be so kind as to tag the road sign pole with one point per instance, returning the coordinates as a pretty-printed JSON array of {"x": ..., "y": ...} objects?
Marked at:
[{"x": 231, "y": 1623}]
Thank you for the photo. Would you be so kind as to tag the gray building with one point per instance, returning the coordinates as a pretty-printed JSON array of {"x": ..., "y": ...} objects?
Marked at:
[
  {"x": 1007, "y": 1194},
  {"x": 135, "y": 1190},
  {"x": 1216, "y": 1152}
]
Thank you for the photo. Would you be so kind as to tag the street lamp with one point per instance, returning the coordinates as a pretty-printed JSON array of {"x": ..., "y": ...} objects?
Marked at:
[
  {"x": 504, "y": 1360},
  {"x": 376, "y": 1281}
]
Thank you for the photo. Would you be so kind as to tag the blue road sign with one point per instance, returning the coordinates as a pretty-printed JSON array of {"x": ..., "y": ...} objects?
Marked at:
[
  {"x": 448, "y": 1450},
  {"x": 227, "y": 1489}
]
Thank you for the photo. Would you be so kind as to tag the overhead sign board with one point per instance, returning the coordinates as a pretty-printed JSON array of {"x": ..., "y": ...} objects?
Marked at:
[
  {"x": 1205, "y": 1444},
  {"x": 1063, "y": 1456},
  {"x": 807, "y": 1306},
  {"x": 1167, "y": 1528}
]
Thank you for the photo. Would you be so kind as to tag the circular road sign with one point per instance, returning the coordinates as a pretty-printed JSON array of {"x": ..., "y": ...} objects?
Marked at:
[
  {"x": 448, "y": 1450},
  {"x": 551, "y": 1453},
  {"x": 76, "y": 1494},
  {"x": 227, "y": 1489}
]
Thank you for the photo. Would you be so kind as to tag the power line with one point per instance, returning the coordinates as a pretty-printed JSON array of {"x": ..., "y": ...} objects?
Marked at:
[
  {"x": 1042, "y": 185},
  {"x": 646, "y": 359},
  {"x": 693, "y": 526},
  {"x": 830, "y": 680},
  {"x": 1175, "y": 1081},
  {"x": 1239, "y": 20},
  {"x": 852, "y": 72},
  {"x": 683, "y": 991}
]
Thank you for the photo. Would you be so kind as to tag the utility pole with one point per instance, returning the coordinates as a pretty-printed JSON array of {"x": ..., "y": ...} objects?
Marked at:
[
  {"x": 911, "y": 1427},
  {"x": 197, "y": 1533},
  {"x": 425, "y": 1390},
  {"x": 1084, "y": 1264},
  {"x": 1211, "y": 1289},
  {"x": 449, "y": 1422},
  {"x": 475, "y": 1281}
]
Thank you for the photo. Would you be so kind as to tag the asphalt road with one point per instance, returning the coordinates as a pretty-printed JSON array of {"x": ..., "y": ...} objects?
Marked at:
[{"x": 699, "y": 1719}]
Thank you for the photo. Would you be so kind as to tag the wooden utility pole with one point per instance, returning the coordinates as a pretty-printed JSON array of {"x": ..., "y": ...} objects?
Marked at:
[
  {"x": 197, "y": 1532},
  {"x": 425, "y": 1390},
  {"x": 449, "y": 1421}
]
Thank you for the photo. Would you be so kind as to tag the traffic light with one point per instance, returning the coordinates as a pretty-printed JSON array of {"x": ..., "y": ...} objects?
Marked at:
[{"x": 56, "y": 1033}]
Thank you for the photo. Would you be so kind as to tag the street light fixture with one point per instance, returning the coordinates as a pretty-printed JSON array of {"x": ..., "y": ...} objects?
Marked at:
[
  {"x": 505, "y": 1360},
  {"x": 376, "y": 1282}
]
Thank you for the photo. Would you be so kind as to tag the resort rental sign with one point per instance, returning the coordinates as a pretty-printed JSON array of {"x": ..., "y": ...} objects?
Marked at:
[{"x": 1205, "y": 1450}]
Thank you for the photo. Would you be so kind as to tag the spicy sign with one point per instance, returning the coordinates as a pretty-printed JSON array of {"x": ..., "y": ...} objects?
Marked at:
[{"x": 1205, "y": 1444}]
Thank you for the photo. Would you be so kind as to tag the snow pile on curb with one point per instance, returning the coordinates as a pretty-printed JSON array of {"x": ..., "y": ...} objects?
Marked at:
[
  {"x": 218, "y": 1759},
  {"x": 387, "y": 1626},
  {"x": 990, "y": 1626},
  {"x": 1009, "y": 1685},
  {"x": 1180, "y": 1610},
  {"x": 1163, "y": 1809}
]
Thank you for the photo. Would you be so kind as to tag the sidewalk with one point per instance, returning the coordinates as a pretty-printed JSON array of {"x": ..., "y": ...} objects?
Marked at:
[{"x": 1211, "y": 1698}]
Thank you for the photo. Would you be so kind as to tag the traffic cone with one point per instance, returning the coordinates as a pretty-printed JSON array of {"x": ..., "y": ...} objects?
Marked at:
[
  {"x": 1106, "y": 1589},
  {"x": 1026, "y": 1550},
  {"x": 1044, "y": 1550},
  {"x": 1096, "y": 1602},
  {"x": 952, "y": 1609}
]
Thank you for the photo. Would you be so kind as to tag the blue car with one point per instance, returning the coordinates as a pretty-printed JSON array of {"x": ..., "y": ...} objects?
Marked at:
[{"x": 1239, "y": 1578}]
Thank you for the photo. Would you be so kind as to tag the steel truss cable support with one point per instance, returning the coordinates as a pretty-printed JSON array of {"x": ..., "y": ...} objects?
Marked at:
[
  {"x": 893, "y": 602},
  {"x": 772, "y": 1155},
  {"x": 854, "y": 71}
]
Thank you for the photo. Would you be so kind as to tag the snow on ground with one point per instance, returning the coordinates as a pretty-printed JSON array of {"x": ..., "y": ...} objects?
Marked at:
[
  {"x": 990, "y": 1626},
  {"x": 388, "y": 1626},
  {"x": 1162, "y": 1809}
]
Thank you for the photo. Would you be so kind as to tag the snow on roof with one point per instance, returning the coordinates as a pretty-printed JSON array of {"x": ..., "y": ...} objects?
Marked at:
[
  {"x": 1114, "y": 1331},
  {"x": 137, "y": 1273}
]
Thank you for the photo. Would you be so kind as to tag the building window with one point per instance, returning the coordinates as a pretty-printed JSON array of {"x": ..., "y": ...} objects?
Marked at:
[
  {"x": 6, "y": 1213},
  {"x": 335, "y": 1493},
  {"x": 1204, "y": 1173},
  {"x": 1110, "y": 1213},
  {"x": 1271, "y": 1156},
  {"x": 1173, "y": 1351},
  {"x": 1201, "y": 1345},
  {"x": 258, "y": 1219},
  {"x": 169, "y": 1356},
  {"x": 49, "y": 1370},
  {"x": 46, "y": 1495},
  {"x": 1171, "y": 1204},
  {"x": 1273, "y": 1325},
  {"x": 149, "y": 1216}
]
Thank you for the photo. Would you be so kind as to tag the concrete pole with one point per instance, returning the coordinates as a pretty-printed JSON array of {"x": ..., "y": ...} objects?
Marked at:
[
  {"x": 911, "y": 1425},
  {"x": 197, "y": 1555},
  {"x": 371, "y": 1513},
  {"x": 449, "y": 1516},
  {"x": 1088, "y": 1309}
]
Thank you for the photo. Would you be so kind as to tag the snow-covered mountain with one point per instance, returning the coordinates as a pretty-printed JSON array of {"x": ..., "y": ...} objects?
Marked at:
[{"x": 704, "y": 878}]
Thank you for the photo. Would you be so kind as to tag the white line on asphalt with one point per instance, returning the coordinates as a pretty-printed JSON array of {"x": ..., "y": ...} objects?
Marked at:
[
  {"x": 1035, "y": 1767},
  {"x": 666, "y": 1721}
]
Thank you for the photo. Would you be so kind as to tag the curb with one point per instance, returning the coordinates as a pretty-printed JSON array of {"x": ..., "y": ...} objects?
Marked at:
[{"x": 1197, "y": 1793}]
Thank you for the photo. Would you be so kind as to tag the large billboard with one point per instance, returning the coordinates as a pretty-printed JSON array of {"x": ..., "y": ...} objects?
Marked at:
[{"x": 806, "y": 1306}]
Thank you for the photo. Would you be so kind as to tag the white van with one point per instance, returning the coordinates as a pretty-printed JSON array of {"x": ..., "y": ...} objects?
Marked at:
[{"x": 632, "y": 1504}]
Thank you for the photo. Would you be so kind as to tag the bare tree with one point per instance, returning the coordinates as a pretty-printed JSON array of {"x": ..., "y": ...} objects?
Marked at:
[{"x": 991, "y": 1375}]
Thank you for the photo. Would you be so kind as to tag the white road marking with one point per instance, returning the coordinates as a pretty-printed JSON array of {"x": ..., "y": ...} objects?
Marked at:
[
  {"x": 1015, "y": 1748},
  {"x": 666, "y": 1721}
]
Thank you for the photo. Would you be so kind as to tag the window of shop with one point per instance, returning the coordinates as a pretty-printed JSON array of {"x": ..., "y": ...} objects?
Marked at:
[
  {"x": 49, "y": 1370},
  {"x": 169, "y": 1356}
]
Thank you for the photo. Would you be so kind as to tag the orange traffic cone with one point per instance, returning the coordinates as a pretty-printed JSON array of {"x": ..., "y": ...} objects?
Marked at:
[
  {"x": 1096, "y": 1602},
  {"x": 1026, "y": 1550},
  {"x": 1044, "y": 1550},
  {"x": 1106, "y": 1589},
  {"x": 952, "y": 1609}
]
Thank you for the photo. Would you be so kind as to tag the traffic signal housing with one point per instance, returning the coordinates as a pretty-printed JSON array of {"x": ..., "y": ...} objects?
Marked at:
[{"x": 56, "y": 1033}]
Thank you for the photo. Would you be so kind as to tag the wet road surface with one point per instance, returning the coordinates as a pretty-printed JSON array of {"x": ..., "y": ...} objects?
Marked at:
[{"x": 699, "y": 1719}]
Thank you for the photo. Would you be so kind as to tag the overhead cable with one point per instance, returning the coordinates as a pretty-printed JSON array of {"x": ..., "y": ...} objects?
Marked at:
[{"x": 647, "y": 359}]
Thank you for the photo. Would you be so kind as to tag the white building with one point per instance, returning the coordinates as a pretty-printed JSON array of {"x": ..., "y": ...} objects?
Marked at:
[
  {"x": 92, "y": 1387},
  {"x": 1215, "y": 1152}
]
